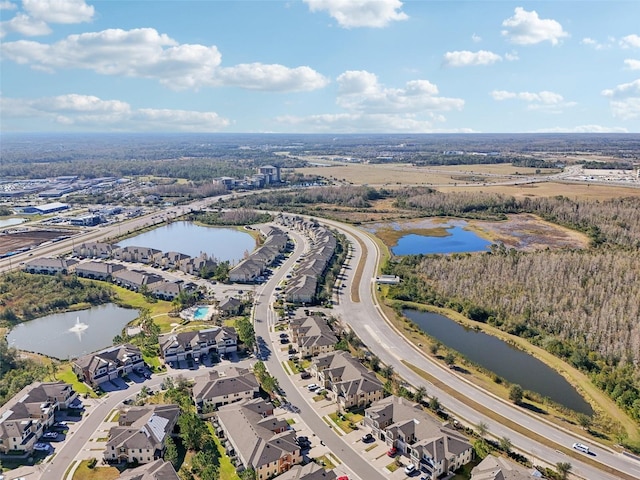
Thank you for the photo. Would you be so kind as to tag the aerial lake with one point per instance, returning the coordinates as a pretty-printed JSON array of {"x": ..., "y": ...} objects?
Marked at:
[
  {"x": 223, "y": 244},
  {"x": 8, "y": 222},
  {"x": 72, "y": 334},
  {"x": 499, "y": 357},
  {"x": 457, "y": 240}
]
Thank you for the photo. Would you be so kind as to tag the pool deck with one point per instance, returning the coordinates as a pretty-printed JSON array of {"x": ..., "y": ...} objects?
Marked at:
[{"x": 189, "y": 313}]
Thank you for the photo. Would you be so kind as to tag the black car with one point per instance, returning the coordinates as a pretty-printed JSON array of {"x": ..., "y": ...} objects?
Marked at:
[
  {"x": 284, "y": 341},
  {"x": 367, "y": 438}
]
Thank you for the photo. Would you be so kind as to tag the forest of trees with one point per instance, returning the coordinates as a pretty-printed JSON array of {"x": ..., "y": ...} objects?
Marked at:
[
  {"x": 24, "y": 296},
  {"x": 581, "y": 305},
  {"x": 237, "y": 216}
]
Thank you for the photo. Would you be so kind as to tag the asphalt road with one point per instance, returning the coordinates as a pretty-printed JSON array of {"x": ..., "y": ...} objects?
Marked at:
[
  {"x": 368, "y": 322},
  {"x": 264, "y": 318}
]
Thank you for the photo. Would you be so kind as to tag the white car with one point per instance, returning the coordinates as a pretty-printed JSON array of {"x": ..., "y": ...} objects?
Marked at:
[
  {"x": 313, "y": 386},
  {"x": 41, "y": 447},
  {"x": 581, "y": 447},
  {"x": 409, "y": 469}
]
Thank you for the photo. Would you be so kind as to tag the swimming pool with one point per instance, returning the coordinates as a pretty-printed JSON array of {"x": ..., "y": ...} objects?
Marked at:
[{"x": 201, "y": 313}]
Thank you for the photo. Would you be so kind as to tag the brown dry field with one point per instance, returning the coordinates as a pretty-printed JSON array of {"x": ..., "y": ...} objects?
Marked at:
[
  {"x": 13, "y": 241},
  {"x": 494, "y": 169},
  {"x": 573, "y": 191}
]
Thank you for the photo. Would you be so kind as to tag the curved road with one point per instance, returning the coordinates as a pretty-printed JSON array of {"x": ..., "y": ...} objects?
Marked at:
[{"x": 368, "y": 322}]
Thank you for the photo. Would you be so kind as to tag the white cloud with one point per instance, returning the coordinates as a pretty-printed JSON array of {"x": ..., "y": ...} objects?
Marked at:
[
  {"x": 257, "y": 76},
  {"x": 512, "y": 56},
  {"x": 630, "y": 41},
  {"x": 545, "y": 101},
  {"x": 465, "y": 58},
  {"x": 24, "y": 25},
  {"x": 59, "y": 11},
  {"x": 364, "y": 123},
  {"x": 369, "y": 106},
  {"x": 632, "y": 64},
  {"x": 145, "y": 53},
  {"x": 527, "y": 28},
  {"x": 360, "y": 13},
  {"x": 625, "y": 100},
  {"x": 583, "y": 129},
  {"x": 38, "y": 14},
  {"x": 360, "y": 91},
  {"x": 476, "y": 38},
  {"x": 88, "y": 113}
]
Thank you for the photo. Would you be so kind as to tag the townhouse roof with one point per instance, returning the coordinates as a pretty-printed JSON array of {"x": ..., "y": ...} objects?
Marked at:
[
  {"x": 193, "y": 338},
  {"x": 104, "y": 268},
  {"x": 217, "y": 384},
  {"x": 156, "y": 470},
  {"x": 44, "y": 262},
  {"x": 143, "y": 427},
  {"x": 310, "y": 471},
  {"x": 116, "y": 355},
  {"x": 253, "y": 434},
  {"x": 500, "y": 468},
  {"x": 313, "y": 331}
]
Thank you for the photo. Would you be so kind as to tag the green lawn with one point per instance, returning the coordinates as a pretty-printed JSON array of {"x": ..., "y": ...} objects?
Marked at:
[
  {"x": 66, "y": 375},
  {"x": 83, "y": 472},
  {"x": 227, "y": 470},
  {"x": 326, "y": 462},
  {"x": 345, "y": 425},
  {"x": 393, "y": 466}
]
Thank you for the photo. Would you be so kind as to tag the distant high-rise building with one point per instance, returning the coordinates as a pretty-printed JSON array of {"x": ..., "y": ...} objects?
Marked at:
[{"x": 271, "y": 173}]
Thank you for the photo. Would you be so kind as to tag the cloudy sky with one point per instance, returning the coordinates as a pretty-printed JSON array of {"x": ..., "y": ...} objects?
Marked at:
[{"x": 340, "y": 66}]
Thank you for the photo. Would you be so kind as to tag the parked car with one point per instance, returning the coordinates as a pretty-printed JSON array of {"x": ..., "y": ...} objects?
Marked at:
[
  {"x": 305, "y": 374},
  {"x": 367, "y": 438},
  {"x": 410, "y": 469},
  {"x": 50, "y": 435},
  {"x": 313, "y": 386},
  {"x": 392, "y": 452},
  {"x": 284, "y": 341},
  {"x": 41, "y": 447},
  {"x": 284, "y": 335}
]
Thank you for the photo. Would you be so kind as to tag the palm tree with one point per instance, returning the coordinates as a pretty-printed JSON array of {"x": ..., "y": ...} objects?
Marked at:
[
  {"x": 505, "y": 444},
  {"x": 482, "y": 429},
  {"x": 563, "y": 469}
]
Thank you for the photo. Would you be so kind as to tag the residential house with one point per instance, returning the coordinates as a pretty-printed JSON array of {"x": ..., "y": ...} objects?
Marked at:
[
  {"x": 134, "y": 279},
  {"x": 98, "y": 270},
  {"x": 141, "y": 434},
  {"x": 258, "y": 440},
  {"x": 500, "y": 468},
  {"x": 432, "y": 448},
  {"x": 165, "y": 290},
  {"x": 93, "y": 250},
  {"x": 49, "y": 266},
  {"x": 312, "y": 335},
  {"x": 108, "y": 364},
  {"x": 310, "y": 471},
  {"x": 350, "y": 383},
  {"x": 173, "y": 260},
  {"x": 247, "y": 270},
  {"x": 24, "y": 418},
  {"x": 146, "y": 255},
  {"x": 301, "y": 289},
  {"x": 195, "y": 266},
  {"x": 156, "y": 470},
  {"x": 229, "y": 306},
  {"x": 175, "y": 347},
  {"x": 219, "y": 388}
]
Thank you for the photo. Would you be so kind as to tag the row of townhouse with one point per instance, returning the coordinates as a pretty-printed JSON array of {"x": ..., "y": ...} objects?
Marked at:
[
  {"x": 500, "y": 468},
  {"x": 156, "y": 470},
  {"x": 256, "y": 439},
  {"x": 146, "y": 255},
  {"x": 350, "y": 383},
  {"x": 218, "y": 388},
  {"x": 303, "y": 285},
  {"x": 176, "y": 347},
  {"x": 110, "y": 272},
  {"x": 108, "y": 364},
  {"x": 25, "y": 417},
  {"x": 141, "y": 434},
  {"x": 433, "y": 448},
  {"x": 312, "y": 335},
  {"x": 251, "y": 268}
]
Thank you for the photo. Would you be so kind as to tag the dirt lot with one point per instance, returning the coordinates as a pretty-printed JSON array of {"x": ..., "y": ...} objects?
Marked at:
[{"x": 12, "y": 241}]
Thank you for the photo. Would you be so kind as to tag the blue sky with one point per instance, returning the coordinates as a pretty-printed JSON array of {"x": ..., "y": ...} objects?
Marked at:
[{"x": 307, "y": 66}]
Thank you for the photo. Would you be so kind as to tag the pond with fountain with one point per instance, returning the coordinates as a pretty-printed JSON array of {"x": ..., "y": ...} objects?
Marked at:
[{"x": 71, "y": 334}]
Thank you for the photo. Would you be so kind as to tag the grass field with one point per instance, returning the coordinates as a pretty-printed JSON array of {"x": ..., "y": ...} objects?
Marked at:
[{"x": 83, "y": 472}]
